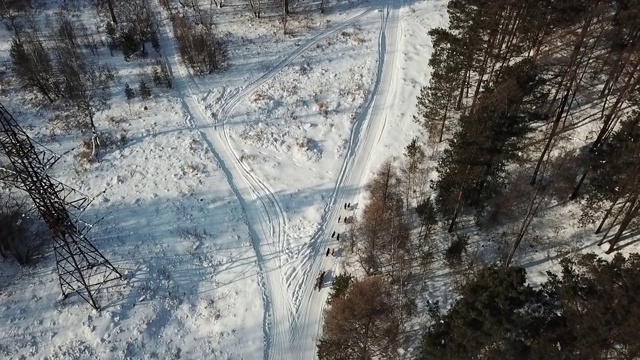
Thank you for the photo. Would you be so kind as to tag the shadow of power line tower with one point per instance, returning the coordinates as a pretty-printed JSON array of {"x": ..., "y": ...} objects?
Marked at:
[{"x": 81, "y": 267}]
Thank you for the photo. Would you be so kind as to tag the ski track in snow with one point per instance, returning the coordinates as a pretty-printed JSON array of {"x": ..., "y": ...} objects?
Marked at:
[
  {"x": 195, "y": 119},
  {"x": 365, "y": 134},
  {"x": 264, "y": 215}
]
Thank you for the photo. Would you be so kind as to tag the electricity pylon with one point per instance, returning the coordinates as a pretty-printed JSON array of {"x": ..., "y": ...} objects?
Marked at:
[{"x": 81, "y": 267}]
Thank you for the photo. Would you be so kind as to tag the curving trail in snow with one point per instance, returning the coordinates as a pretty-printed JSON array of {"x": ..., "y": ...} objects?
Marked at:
[
  {"x": 289, "y": 329},
  {"x": 196, "y": 117},
  {"x": 365, "y": 135},
  {"x": 306, "y": 306}
]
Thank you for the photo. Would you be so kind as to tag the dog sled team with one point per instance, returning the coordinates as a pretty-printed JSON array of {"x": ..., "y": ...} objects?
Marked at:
[{"x": 320, "y": 279}]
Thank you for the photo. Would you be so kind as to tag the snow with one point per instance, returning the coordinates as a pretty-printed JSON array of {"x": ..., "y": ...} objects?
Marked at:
[{"x": 219, "y": 200}]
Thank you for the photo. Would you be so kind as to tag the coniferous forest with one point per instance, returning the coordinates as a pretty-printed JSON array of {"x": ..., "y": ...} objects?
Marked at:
[
  {"x": 512, "y": 81},
  {"x": 531, "y": 105}
]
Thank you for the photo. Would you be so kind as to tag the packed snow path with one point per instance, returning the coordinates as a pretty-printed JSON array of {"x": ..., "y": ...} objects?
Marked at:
[
  {"x": 292, "y": 315},
  {"x": 365, "y": 134}
]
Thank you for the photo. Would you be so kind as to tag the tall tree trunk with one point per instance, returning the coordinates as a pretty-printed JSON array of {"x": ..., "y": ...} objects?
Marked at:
[
  {"x": 619, "y": 64},
  {"x": 462, "y": 87},
  {"x": 633, "y": 211},
  {"x": 365, "y": 341},
  {"x": 481, "y": 72},
  {"x": 456, "y": 211},
  {"x": 492, "y": 42},
  {"x": 606, "y": 215},
  {"x": 613, "y": 75},
  {"x": 112, "y": 12},
  {"x": 629, "y": 87},
  {"x": 528, "y": 218},
  {"x": 552, "y": 135},
  {"x": 506, "y": 54},
  {"x": 613, "y": 222},
  {"x": 571, "y": 68},
  {"x": 590, "y": 53},
  {"x": 576, "y": 190},
  {"x": 444, "y": 116},
  {"x": 45, "y": 92}
]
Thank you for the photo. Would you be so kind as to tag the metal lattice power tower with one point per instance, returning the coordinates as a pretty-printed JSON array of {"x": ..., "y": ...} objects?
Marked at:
[{"x": 81, "y": 267}]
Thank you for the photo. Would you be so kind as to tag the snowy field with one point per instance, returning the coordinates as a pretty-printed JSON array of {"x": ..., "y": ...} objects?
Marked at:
[{"x": 217, "y": 202}]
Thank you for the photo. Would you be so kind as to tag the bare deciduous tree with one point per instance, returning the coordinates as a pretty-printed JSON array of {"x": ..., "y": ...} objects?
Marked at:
[
  {"x": 198, "y": 44},
  {"x": 362, "y": 325},
  {"x": 32, "y": 65},
  {"x": 383, "y": 232},
  {"x": 85, "y": 85}
]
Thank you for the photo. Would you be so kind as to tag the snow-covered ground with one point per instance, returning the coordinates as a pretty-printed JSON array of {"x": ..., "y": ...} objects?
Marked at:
[
  {"x": 219, "y": 202},
  {"x": 219, "y": 199}
]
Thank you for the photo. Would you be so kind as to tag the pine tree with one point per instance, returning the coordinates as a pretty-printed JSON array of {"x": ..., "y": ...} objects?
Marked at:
[
  {"x": 144, "y": 90},
  {"x": 157, "y": 78},
  {"x": 488, "y": 312},
  {"x": 340, "y": 287},
  {"x": 129, "y": 43},
  {"x": 427, "y": 213},
  {"x": 472, "y": 169},
  {"x": 112, "y": 33},
  {"x": 436, "y": 102},
  {"x": 155, "y": 42},
  {"x": 457, "y": 248},
  {"x": 568, "y": 80},
  {"x": 587, "y": 311},
  {"x": 616, "y": 177}
]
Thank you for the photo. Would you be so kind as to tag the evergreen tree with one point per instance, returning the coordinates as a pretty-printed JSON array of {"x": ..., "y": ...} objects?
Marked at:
[
  {"x": 144, "y": 90},
  {"x": 457, "y": 248},
  {"x": 487, "y": 318},
  {"x": 588, "y": 311},
  {"x": 599, "y": 307},
  {"x": 157, "y": 78},
  {"x": 155, "y": 42},
  {"x": 616, "y": 177},
  {"x": 436, "y": 101},
  {"x": 340, "y": 287},
  {"x": 426, "y": 211},
  {"x": 129, "y": 43},
  {"x": 112, "y": 33},
  {"x": 472, "y": 169}
]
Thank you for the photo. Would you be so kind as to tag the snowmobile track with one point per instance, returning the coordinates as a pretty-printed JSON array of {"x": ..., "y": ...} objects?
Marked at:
[
  {"x": 265, "y": 206},
  {"x": 366, "y": 132}
]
